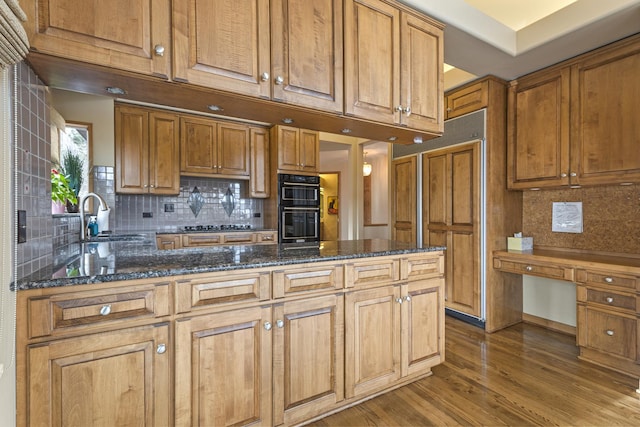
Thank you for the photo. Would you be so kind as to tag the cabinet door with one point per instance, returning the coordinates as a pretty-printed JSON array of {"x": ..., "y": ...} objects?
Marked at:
[
  {"x": 71, "y": 382},
  {"x": 372, "y": 60},
  {"x": 451, "y": 200},
  {"x": 223, "y": 369},
  {"x": 306, "y": 39},
  {"x": 132, "y": 150},
  {"x": 422, "y": 81},
  {"x": 288, "y": 145},
  {"x": 223, "y": 44},
  {"x": 233, "y": 149},
  {"x": 164, "y": 151},
  {"x": 198, "y": 154},
  {"x": 609, "y": 332},
  {"x": 169, "y": 241},
  {"x": 538, "y": 131},
  {"x": 308, "y": 365},
  {"x": 260, "y": 168},
  {"x": 467, "y": 99},
  {"x": 121, "y": 34},
  {"x": 404, "y": 200},
  {"x": 422, "y": 326},
  {"x": 372, "y": 340},
  {"x": 309, "y": 151},
  {"x": 605, "y": 138}
]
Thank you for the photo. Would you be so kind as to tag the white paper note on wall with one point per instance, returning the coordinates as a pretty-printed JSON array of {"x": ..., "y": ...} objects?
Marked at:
[{"x": 567, "y": 217}]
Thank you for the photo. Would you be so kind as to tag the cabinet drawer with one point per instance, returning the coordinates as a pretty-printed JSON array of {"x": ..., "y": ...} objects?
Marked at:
[
  {"x": 312, "y": 278},
  {"x": 423, "y": 267},
  {"x": 169, "y": 241},
  {"x": 235, "y": 238},
  {"x": 61, "y": 313},
  {"x": 268, "y": 237},
  {"x": 608, "y": 298},
  {"x": 373, "y": 272},
  {"x": 221, "y": 288},
  {"x": 608, "y": 332},
  {"x": 608, "y": 279},
  {"x": 543, "y": 270},
  {"x": 201, "y": 239}
]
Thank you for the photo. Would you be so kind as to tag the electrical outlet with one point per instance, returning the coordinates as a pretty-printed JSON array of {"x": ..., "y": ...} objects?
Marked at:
[
  {"x": 22, "y": 226},
  {"x": 168, "y": 207},
  {"x": 1, "y": 369},
  {"x": 256, "y": 215},
  {"x": 147, "y": 214}
]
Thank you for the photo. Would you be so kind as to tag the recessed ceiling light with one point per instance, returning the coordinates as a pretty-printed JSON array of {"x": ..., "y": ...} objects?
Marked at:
[
  {"x": 116, "y": 90},
  {"x": 346, "y": 130},
  {"x": 215, "y": 107},
  {"x": 287, "y": 121},
  {"x": 417, "y": 140},
  {"x": 392, "y": 138}
]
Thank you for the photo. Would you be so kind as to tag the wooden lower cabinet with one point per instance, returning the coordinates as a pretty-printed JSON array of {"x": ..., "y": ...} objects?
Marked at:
[
  {"x": 223, "y": 368},
  {"x": 392, "y": 332},
  {"x": 308, "y": 358},
  {"x": 113, "y": 378}
]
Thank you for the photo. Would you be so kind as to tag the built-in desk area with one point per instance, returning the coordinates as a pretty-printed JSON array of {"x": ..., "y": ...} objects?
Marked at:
[{"x": 607, "y": 294}]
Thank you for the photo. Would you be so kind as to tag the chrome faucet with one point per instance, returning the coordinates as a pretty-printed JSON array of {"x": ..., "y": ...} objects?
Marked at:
[{"x": 103, "y": 215}]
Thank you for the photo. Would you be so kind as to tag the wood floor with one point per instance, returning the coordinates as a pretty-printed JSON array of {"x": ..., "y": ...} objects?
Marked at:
[{"x": 523, "y": 375}]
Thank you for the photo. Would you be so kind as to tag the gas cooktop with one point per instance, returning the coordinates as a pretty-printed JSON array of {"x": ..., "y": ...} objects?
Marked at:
[{"x": 223, "y": 227}]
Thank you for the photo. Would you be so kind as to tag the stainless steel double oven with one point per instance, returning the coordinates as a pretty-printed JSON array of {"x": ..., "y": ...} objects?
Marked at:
[{"x": 299, "y": 209}]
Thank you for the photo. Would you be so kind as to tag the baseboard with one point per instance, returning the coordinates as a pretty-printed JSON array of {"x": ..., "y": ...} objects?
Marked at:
[
  {"x": 549, "y": 324},
  {"x": 464, "y": 317}
]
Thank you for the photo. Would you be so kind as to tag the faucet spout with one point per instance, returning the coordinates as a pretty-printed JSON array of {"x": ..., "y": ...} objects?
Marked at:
[{"x": 103, "y": 215}]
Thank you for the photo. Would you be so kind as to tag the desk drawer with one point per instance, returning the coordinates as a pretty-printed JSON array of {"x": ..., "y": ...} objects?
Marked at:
[
  {"x": 608, "y": 332},
  {"x": 60, "y": 313},
  {"x": 607, "y": 298},
  {"x": 608, "y": 279},
  {"x": 550, "y": 271}
]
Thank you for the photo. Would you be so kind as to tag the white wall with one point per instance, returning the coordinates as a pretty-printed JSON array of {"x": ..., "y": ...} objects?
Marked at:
[
  {"x": 97, "y": 110},
  {"x": 7, "y": 298},
  {"x": 549, "y": 299}
]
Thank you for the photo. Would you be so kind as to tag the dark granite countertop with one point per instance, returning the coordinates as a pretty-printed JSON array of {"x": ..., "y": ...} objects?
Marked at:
[{"x": 101, "y": 262}]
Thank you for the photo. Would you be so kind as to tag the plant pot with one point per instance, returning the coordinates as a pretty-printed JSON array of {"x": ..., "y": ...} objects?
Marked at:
[
  {"x": 72, "y": 207},
  {"x": 57, "y": 207}
]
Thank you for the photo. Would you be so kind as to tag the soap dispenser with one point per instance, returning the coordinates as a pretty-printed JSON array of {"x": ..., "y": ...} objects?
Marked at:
[{"x": 93, "y": 226}]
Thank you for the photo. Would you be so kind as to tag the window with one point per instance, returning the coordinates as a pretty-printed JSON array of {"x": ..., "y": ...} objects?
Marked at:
[{"x": 75, "y": 155}]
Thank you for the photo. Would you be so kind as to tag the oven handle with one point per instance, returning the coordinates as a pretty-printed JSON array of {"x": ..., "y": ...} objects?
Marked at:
[
  {"x": 289, "y": 208},
  {"x": 299, "y": 184}
]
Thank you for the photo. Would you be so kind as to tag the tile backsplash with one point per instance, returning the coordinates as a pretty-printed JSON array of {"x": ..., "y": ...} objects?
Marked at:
[{"x": 131, "y": 211}]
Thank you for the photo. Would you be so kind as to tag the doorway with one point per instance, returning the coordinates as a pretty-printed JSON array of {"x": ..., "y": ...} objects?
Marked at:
[{"x": 330, "y": 206}]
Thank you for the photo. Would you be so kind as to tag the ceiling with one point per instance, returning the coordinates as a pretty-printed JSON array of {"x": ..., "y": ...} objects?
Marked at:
[{"x": 510, "y": 38}]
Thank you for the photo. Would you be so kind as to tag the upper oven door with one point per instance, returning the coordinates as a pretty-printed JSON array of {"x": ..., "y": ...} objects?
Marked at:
[{"x": 297, "y": 192}]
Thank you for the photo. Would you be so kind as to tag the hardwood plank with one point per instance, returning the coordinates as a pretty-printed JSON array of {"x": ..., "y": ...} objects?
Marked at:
[{"x": 522, "y": 375}]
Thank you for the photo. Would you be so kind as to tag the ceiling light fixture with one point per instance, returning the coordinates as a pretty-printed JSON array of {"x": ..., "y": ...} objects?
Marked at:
[
  {"x": 366, "y": 167},
  {"x": 287, "y": 121},
  {"x": 215, "y": 108},
  {"x": 417, "y": 140}
]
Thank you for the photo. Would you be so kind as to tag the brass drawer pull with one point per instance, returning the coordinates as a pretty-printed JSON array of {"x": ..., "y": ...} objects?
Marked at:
[{"x": 105, "y": 310}]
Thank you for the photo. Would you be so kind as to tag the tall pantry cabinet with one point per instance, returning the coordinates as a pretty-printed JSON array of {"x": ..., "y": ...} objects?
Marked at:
[{"x": 465, "y": 204}]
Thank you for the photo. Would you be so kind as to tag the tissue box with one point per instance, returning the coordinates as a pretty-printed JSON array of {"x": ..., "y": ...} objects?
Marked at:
[{"x": 519, "y": 243}]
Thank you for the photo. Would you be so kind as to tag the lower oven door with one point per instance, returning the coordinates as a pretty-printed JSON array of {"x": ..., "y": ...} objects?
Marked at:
[{"x": 298, "y": 225}]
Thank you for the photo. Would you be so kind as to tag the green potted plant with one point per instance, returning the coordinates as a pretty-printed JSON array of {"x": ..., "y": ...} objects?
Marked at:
[
  {"x": 60, "y": 192},
  {"x": 72, "y": 167}
]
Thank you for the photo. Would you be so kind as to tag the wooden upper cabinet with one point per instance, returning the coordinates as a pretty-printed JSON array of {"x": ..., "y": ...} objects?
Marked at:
[
  {"x": 260, "y": 170},
  {"x": 147, "y": 150},
  {"x": 307, "y": 51},
  {"x": 298, "y": 150},
  {"x": 575, "y": 124},
  {"x": 223, "y": 44},
  {"x": 538, "y": 130},
  {"x": 467, "y": 99},
  {"x": 393, "y": 66},
  {"x": 133, "y": 35},
  {"x": 605, "y": 108},
  {"x": 209, "y": 147}
]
